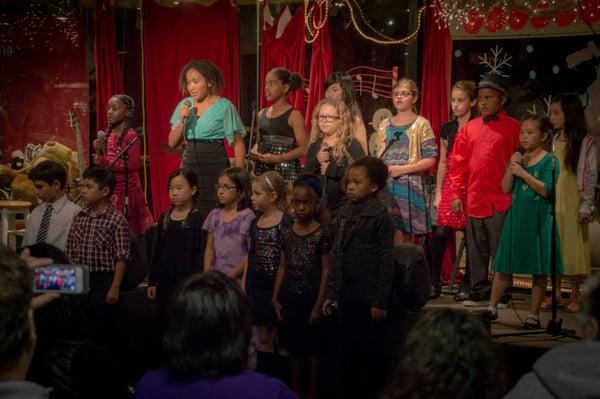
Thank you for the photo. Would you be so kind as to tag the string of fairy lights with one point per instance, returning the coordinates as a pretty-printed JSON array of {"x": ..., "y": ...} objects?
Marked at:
[
  {"x": 34, "y": 24},
  {"x": 317, "y": 11}
]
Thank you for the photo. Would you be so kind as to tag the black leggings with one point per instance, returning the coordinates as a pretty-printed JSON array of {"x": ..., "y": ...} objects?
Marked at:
[{"x": 439, "y": 241}]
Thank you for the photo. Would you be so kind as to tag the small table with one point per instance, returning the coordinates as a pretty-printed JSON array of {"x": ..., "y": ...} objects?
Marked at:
[{"x": 9, "y": 211}]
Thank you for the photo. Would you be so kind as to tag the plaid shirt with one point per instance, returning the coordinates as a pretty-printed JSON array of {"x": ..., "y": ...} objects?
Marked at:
[{"x": 99, "y": 241}]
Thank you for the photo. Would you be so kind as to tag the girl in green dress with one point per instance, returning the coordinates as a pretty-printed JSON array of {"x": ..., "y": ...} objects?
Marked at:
[{"x": 526, "y": 240}]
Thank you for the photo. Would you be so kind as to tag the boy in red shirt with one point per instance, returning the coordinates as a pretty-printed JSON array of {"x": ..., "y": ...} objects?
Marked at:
[{"x": 481, "y": 151}]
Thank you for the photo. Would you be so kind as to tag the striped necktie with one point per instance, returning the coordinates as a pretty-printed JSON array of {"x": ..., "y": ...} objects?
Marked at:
[{"x": 43, "y": 232}]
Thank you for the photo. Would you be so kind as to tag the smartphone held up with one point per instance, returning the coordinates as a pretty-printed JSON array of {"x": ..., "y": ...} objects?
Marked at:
[{"x": 62, "y": 279}]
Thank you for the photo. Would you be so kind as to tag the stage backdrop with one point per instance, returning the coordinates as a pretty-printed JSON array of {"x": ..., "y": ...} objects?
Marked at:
[
  {"x": 43, "y": 74},
  {"x": 283, "y": 46},
  {"x": 109, "y": 78},
  {"x": 172, "y": 37}
]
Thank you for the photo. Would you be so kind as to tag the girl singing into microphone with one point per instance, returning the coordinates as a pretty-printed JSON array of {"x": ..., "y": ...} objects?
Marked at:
[
  {"x": 332, "y": 149},
  {"x": 407, "y": 145},
  {"x": 121, "y": 110},
  {"x": 526, "y": 240},
  {"x": 204, "y": 120}
]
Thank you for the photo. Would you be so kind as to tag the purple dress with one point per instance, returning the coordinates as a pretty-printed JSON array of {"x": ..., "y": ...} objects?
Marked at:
[
  {"x": 229, "y": 238},
  {"x": 247, "y": 385}
]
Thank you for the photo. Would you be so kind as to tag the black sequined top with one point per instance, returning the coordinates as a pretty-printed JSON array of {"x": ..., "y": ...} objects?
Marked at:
[
  {"x": 264, "y": 255},
  {"x": 303, "y": 260}
]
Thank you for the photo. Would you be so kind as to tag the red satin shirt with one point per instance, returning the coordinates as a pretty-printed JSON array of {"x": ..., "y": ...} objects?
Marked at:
[{"x": 479, "y": 158}]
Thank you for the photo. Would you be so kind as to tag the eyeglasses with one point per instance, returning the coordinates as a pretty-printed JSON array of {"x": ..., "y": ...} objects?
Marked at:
[
  {"x": 224, "y": 187},
  {"x": 403, "y": 93},
  {"x": 328, "y": 118}
]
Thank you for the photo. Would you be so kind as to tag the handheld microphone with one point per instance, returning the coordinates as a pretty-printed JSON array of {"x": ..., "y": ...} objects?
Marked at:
[
  {"x": 187, "y": 103},
  {"x": 521, "y": 150},
  {"x": 101, "y": 135}
]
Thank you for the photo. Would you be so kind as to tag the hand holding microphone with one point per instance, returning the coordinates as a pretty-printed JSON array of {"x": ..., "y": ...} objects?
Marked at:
[
  {"x": 186, "y": 111},
  {"x": 517, "y": 162},
  {"x": 99, "y": 144}
]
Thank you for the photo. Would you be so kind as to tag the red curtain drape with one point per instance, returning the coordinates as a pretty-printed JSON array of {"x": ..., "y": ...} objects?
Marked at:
[
  {"x": 287, "y": 51},
  {"x": 109, "y": 77},
  {"x": 172, "y": 37},
  {"x": 436, "y": 71},
  {"x": 321, "y": 66},
  {"x": 435, "y": 88}
]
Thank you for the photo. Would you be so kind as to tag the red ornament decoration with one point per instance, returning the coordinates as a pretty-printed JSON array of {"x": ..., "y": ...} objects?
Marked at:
[
  {"x": 494, "y": 20},
  {"x": 517, "y": 18},
  {"x": 473, "y": 21},
  {"x": 564, "y": 18},
  {"x": 539, "y": 21},
  {"x": 590, "y": 11}
]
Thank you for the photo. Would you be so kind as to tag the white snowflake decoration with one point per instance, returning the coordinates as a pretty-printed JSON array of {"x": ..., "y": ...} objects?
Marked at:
[{"x": 496, "y": 62}]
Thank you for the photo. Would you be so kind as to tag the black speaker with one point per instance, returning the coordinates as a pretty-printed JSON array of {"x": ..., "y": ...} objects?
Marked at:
[{"x": 411, "y": 284}]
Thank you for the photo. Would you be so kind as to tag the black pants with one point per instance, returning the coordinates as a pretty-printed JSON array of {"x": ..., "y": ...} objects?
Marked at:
[
  {"x": 99, "y": 315},
  {"x": 363, "y": 349}
]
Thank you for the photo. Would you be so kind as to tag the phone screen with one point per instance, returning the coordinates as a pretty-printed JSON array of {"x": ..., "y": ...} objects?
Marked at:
[{"x": 64, "y": 279}]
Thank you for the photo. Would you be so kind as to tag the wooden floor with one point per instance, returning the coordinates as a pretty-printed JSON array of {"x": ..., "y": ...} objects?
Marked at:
[{"x": 508, "y": 322}]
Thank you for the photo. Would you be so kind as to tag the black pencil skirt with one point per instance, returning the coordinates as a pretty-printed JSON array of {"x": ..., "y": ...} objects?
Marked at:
[{"x": 207, "y": 158}]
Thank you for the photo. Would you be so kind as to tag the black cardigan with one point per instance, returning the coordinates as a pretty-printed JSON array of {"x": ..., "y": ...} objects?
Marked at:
[{"x": 362, "y": 264}]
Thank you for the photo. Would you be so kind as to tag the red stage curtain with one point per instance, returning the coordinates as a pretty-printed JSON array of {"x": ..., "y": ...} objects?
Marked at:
[
  {"x": 435, "y": 90},
  {"x": 287, "y": 51},
  {"x": 109, "y": 78},
  {"x": 172, "y": 37},
  {"x": 321, "y": 66}
]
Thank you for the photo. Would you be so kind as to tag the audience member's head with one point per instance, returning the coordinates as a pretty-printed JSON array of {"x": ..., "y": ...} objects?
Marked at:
[
  {"x": 448, "y": 354},
  {"x": 17, "y": 330},
  {"x": 590, "y": 310},
  {"x": 209, "y": 329}
]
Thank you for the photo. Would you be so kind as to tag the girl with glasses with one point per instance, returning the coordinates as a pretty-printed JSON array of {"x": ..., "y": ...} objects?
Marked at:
[
  {"x": 227, "y": 226},
  {"x": 332, "y": 149}
]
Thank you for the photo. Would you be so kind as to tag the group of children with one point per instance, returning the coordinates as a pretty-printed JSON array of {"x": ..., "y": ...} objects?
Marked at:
[{"x": 305, "y": 246}]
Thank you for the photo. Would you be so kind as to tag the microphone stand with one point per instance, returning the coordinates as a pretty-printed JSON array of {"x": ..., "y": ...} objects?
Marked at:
[
  {"x": 397, "y": 136},
  {"x": 124, "y": 154},
  {"x": 252, "y": 126}
]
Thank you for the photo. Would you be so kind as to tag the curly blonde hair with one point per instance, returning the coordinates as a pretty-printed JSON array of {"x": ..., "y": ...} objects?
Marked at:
[{"x": 345, "y": 132}]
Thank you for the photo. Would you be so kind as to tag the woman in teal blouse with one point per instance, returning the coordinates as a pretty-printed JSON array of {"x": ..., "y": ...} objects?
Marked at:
[{"x": 204, "y": 120}]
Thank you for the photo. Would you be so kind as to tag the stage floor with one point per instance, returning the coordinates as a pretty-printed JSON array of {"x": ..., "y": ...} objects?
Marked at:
[{"x": 508, "y": 322}]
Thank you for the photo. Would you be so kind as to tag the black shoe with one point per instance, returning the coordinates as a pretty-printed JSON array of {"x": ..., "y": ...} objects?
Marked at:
[
  {"x": 488, "y": 316},
  {"x": 476, "y": 300},
  {"x": 436, "y": 290},
  {"x": 505, "y": 300},
  {"x": 461, "y": 296}
]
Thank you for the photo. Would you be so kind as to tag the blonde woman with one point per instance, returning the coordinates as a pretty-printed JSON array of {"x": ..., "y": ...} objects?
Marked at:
[
  {"x": 407, "y": 145},
  {"x": 332, "y": 149}
]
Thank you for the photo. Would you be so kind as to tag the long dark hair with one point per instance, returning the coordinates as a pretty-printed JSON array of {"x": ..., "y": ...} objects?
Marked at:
[
  {"x": 209, "y": 328},
  {"x": 348, "y": 93},
  {"x": 575, "y": 127},
  {"x": 448, "y": 354},
  {"x": 241, "y": 181}
]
